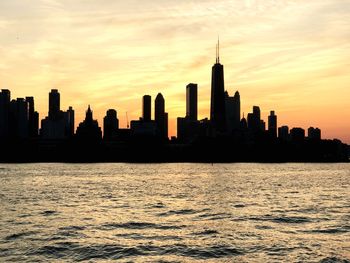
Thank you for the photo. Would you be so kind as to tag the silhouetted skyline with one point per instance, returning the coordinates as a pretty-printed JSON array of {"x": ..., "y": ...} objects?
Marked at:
[{"x": 147, "y": 138}]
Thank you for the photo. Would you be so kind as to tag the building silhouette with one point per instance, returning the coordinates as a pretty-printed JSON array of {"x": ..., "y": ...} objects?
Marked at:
[
  {"x": 161, "y": 118},
  {"x": 297, "y": 134},
  {"x": 54, "y": 105},
  {"x": 272, "y": 124},
  {"x": 146, "y": 108},
  {"x": 19, "y": 119},
  {"x": 69, "y": 122},
  {"x": 192, "y": 102},
  {"x": 110, "y": 125},
  {"x": 217, "y": 104},
  {"x": 314, "y": 133},
  {"x": 143, "y": 128},
  {"x": 5, "y": 99},
  {"x": 33, "y": 118},
  {"x": 283, "y": 133},
  {"x": 254, "y": 120},
  {"x": 57, "y": 125},
  {"x": 188, "y": 128},
  {"x": 243, "y": 124},
  {"x": 88, "y": 130},
  {"x": 233, "y": 111}
]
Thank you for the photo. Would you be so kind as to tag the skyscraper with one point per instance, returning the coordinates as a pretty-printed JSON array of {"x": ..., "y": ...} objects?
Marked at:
[
  {"x": 254, "y": 120},
  {"x": 88, "y": 130},
  {"x": 192, "y": 101},
  {"x": 283, "y": 133},
  {"x": 5, "y": 98},
  {"x": 33, "y": 118},
  {"x": 217, "y": 105},
  {"x": 19, "y": 118},
  {"x": 146, "y": 108},
  {"x": 110, "y": 124},
  {"x": 272, "y": 124},
  {"x": 314, "y": 134},
  {"x": 54, "y": 104},
  {"x": 55, "y": 125},
  {"x": 233, "y": 111},
  {"x": 159, "y": 115},
  {"x": 69, "y": 122}
]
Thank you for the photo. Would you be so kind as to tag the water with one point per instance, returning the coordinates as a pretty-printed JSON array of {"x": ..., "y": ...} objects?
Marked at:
[{"x": 175, "y": 212}]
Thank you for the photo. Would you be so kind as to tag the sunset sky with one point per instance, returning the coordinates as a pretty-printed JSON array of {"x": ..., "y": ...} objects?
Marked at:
[{"x": 291, "y": 56}]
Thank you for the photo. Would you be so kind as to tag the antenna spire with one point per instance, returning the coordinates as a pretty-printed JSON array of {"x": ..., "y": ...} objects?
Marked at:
[{"x": 218, "y": 52}]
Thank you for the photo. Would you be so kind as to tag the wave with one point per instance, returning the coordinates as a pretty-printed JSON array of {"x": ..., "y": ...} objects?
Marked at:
[
  {"x": 334, "y": 260},
  {"x": 19, "y": 235},
  {"x": 74, "y": 251},
  {"x": 137, "y": 225},
  {"x": 283, "y": 219},
  {"x": 178, "y": 212}
]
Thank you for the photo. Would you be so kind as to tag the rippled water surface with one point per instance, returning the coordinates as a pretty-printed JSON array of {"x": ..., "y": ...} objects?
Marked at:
[{"x": 175, "y": 212}]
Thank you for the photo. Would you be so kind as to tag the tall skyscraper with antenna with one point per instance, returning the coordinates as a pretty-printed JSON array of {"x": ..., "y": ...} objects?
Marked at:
[{"x": 217, "y": 105}]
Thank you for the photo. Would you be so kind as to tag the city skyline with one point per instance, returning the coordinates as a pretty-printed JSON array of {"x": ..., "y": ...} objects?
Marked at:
[{"x": 279, "y": 63}]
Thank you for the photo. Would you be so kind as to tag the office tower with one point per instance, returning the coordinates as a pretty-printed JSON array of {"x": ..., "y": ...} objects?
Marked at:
[
  {"x": 19, "y": 118},
  {"x": 146, "y": 108},
  {"x": 297, "y": 134},
  {"x": 88, "y": 130},
  {"x": 254, "y": 121},
  {"x": 283, "y": 133},
  {"x": 192, "y": 101},
  {"x": 5, "y": 98},
  {"x": 243, "y": 123},
  {"x": 166, "y": 125},
  {"x": 159, "y": 115},
  {"x": 314, "y": 133},
  {"x": 217, "y": 104},
  {"x": 262, "y": 125},
  {"x": 54, "y": 126},
  {"x": 54, "y": 104},
  {"x": 233, "y": 111},
  {"x": 250, "y": 121},
  {"x": 110, "y": 124},
  {"x": 272, "y": 124},
  {"x": 237, "y": 110},
  {"x": 33, "y": 118},
  {"x": 69, "y": 122}
]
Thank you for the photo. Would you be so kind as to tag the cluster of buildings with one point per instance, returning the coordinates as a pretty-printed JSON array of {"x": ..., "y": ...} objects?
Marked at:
[{"x": 19, "y": 120}]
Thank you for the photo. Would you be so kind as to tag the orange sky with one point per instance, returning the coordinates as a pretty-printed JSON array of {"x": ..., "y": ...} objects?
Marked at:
[{"x": 289, "y": 56}]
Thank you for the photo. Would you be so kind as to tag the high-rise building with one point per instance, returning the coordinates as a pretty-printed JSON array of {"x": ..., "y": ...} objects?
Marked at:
[
  {"x": 159, "y": 115},
  {"x": 58, "y": 124},
  {"x": 297, "y": 134},
  {"x": 33, "y": 118},
  {"x": 88, "y": 130},
  {"x": 110, "y": 124},
  {"x": 314, "y": 133},
  {"x": 166, "y": 125},
  {"x": 217, "y": 104},
  {"x": 5, "y": 98},
  {"x": 192, "y": 101},
  {"x": 283, "y": 133},
  {"x": 19, "y": 118},
  {"x": 54, "y": 104},
  {"x": 262, "y": 125},
  {"x": 146, "y": 108},
  {"x": 233, "y": 111},
  {"x": 254, "y": 120},
  {"x": 69, "y": 121},
  {"x": 272, "y": 123}
]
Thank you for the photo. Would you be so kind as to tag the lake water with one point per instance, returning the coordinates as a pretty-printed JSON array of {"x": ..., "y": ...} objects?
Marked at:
[{"x": 175, "y": 212}]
